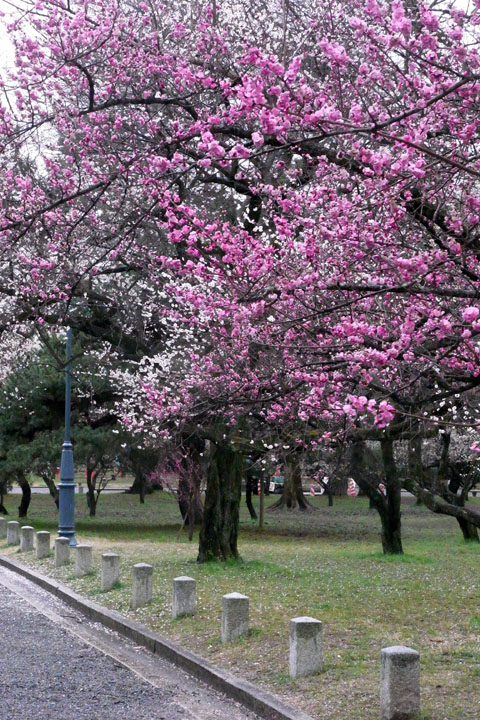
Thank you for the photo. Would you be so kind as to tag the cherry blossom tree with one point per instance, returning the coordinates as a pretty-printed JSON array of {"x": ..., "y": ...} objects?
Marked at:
[{"x": 275, "y": 204}]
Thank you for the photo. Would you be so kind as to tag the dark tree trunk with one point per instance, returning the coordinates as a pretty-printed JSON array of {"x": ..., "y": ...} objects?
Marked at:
[
  {"x": 416, "y": 474},
  {"x": 261, "y": 514},
  {"x": 450, "y": 483},
  {"x": 3, "y": 488},
  {"x": 470, "y": 532},
  {"x": 391, "y": 517},
  {"x": 92, "y": 497},
  {"x": 328, "y": 492},
  {"x": 390, "y": 513},
  {"x": 91, "y": 503},
  {"x": 248, "y": 496},
  {"x": 414, "y": 463},
  {"x": 52, "y": 488},
  {"x": 138, "y": 487},
  {"x": 26, "y": 495},
  {"x": 443, "y": 474},
  {"x": 388, "y": 507},
  {"x": 3, "y": 509},
  {"x": 330, "y": 497},
  {"x": 292, "y": 496},
  {"x": 338, "y": 482},
  {"x": 219, "y": 532},
  {"x": 338, "y": 485},
  {"x": 189, "y": 501},
  {"x": 189, "y": 486},
  {"x": 444, "y": 507}
]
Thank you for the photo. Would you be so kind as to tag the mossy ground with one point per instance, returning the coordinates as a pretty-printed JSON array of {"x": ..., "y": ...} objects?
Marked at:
[{"x": 327, "y": 564}]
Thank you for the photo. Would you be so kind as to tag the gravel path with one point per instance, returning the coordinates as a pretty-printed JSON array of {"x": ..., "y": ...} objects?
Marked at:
[{"x": 49, "y": 673}]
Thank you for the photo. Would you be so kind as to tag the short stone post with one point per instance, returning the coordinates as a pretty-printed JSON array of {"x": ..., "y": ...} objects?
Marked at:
[
  {"x": 3, "y": 528},
  {"x": 399, "y": 683},
  {"x": 184, "y": 600},
  {"x": 26, "y": 538},
  {"x": 43, "y": 544},
  {"x": 110, "y": 570},
  {"x": 62, "y": 551},
  {"x": 13, "y": 537},
  {"x": 142, "y": 585},
  {"x": 83, "y": 560},
  {"x": 305, "y": 646},
  {"x": 234, "y": 616}
]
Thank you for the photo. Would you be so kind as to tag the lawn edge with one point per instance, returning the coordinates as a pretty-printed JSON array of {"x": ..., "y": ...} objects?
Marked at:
[{"x": 260, "y": 701}]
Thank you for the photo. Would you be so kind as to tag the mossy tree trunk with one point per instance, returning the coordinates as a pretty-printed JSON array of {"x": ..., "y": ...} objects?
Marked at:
[
  {"x": 219, "y": 532},
  {"x": 469, "y": 530},
  {"x": 388, "y": 506},
  {"x": 292, "y": 495}
]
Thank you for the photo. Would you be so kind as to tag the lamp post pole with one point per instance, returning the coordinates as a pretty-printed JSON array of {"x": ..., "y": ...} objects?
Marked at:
[{"x": 66, "y": 487}]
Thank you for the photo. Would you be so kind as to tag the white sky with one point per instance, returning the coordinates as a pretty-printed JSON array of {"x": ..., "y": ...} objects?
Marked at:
[{"x": 6, "y": 52}]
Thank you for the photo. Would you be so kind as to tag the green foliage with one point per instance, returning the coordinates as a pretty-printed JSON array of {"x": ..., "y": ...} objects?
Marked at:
[{"x": 32, "y": 411}]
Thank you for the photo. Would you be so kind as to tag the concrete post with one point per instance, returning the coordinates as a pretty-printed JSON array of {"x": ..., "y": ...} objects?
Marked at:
[
  {"x": 83, "y": 560},
  {"x": 62, "y": 551},
  {"x": 235, "y": 609},
  {"x": 184, "y": 600},
  {"x": 3, "y": 528},
  {"x": 110, "y": 570},
  {"x": 13, "y": 537},
  {"x": 26, "y": 538},
  {"x": 305, "y": 646},
  {"x": 399, "y": 683},
  {"x": 142, "y": 585},
  {"x": 43, "y": 544}
]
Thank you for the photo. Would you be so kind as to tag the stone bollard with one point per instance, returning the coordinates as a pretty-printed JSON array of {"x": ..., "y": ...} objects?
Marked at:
[
  {"x": 26, "y": 538},
  {"x": 110, "y": 570},
  {"x": 399, "y": 683},
  {"x": 234, "y": 616},
  {"x": 13, "y": 537},
  {"x": 62, "y": 551},
  {"x": 83, "y": 560},
  {"x": 184, "y": 601},
  {"x": 3, "y": 528},
  {"x": 43, "y": 544},
  {"x": 305, "y": 646},
  {"x": 142, "y": 585}
]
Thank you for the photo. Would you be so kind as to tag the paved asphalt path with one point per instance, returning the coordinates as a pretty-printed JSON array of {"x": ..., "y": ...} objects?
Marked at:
[{"x": 54, "y": 667}]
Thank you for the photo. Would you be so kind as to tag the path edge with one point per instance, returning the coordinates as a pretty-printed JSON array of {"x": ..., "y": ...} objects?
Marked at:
[{"x": 253, "y": 698}]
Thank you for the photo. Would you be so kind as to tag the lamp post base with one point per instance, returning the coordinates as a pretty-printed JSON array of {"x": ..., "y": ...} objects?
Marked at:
[{"x": 66, "y": 496}]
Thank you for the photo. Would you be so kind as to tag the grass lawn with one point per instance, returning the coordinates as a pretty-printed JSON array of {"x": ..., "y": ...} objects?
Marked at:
[{"x": 327, "y": 564}]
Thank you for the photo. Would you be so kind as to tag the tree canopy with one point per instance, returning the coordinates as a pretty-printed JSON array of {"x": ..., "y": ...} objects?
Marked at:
[{"x": 270, "y": 209}]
